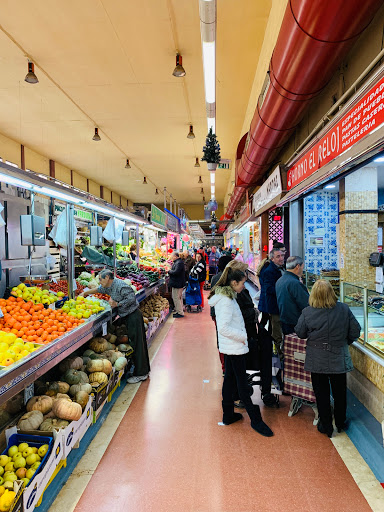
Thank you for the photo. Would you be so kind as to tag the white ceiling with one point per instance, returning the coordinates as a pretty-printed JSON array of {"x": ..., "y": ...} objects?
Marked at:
[{"x": 109, "y": 63}]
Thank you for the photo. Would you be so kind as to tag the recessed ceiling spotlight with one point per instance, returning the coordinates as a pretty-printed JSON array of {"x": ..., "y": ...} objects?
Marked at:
[
  {"x": 145, "y": 181},
  {"x": 200, "y": 180},
  {"x": 179, "y": 70},
  {"x": 30, "y": 77},
  {"x": 197, "y": 163},
  {"x": 190, "y": 135},
  {"x": 127, "y": 166},
  {"x": 96, "y": 136}
]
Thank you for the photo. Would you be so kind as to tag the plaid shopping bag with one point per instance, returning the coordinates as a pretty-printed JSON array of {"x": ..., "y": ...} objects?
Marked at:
[{"x": 297, "y": 381}]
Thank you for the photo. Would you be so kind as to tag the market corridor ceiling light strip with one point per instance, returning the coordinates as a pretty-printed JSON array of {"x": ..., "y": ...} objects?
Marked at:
[
  {"x": 50, "y": 192},
  {"x": 208, "y": 44}
]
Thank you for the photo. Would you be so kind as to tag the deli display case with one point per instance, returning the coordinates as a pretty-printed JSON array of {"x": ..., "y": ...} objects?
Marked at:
[{"x": 368, "y": 307}]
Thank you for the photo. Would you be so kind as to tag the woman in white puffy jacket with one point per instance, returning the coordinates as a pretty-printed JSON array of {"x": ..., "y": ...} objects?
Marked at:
[{"x": 234, "y": 345}]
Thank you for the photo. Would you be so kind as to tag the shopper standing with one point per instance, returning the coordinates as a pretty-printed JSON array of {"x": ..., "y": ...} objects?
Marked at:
[
  {"x": 213, "y": 261},
  {"x": 132, "y": 252},
  {"x": 177, "y": 283},
  {"x": 123, "y": 297},
  {"x": 233, "y": 344},
  {"x": 329, "y": 327},
  {"x": 188, "y": 264},
  {"x": 292, "y": 295},
  {"x": 268, "y": 301},
  {"x": 199, "y": 272}
]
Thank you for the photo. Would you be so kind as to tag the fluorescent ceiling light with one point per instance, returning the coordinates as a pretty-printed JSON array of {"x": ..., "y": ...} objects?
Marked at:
[
  {"x": 209, "y": 63},
  {"x": 380, "y": 159},
  {"x": 213, "y": 189},
  {"x": 58, "y": 195},
  {"x": 332, "y": 186},
  {"x": 211, "y": 121},
  {"x": 10, "y": 180},
  {"x": 212, "y": 178}
]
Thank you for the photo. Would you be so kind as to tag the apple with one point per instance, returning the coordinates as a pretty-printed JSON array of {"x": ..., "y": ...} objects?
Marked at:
[
  {"x": 31, "y": 459},
  {"x": 9, "y": 466},
  {"x": 35, "y": 465},
  {"x": 38, "y": 458},
  {"x": 4, "y": 459},
  {"x": 13, "y": 450},
  {"x": 34, "y": 449},
  {"x": 10, "y": 478},
  {"x": 1, "y": 470},
  {"x": 1, "y": 480},
  {"x": 43, "y": 450},
  {"x": 26, "y": 452},
  {"x": 17, "y": 456},
  {"x": 20, "y": 463},
  {"x": 23, "y": 446},
  {"x": 21, "y": 473},
  {"x": 26, "y": 481},
  {"x": 30, "y": 473}
]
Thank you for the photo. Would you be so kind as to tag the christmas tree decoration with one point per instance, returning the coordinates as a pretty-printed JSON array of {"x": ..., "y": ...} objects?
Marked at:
[{"x": 211, "y": 151}]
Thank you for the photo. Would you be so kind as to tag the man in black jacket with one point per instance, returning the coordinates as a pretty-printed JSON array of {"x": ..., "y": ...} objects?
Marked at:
[
  {"x": 177, "y": 282},
  {"x": 292, "y": 295}
]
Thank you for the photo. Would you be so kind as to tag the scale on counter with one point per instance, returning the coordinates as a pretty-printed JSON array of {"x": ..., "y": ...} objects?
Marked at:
[
  {"x": 96, "y": 236},
  {"x": 32, "y": 229}
]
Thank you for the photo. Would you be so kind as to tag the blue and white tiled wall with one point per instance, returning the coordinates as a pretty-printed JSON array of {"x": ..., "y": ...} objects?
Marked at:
[{"x": 321, "y": 213}]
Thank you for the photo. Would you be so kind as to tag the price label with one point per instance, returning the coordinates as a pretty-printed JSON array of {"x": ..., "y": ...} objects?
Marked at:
[
  {"x": 104, "y": 329},
  {"x": 29, "y": 392}
]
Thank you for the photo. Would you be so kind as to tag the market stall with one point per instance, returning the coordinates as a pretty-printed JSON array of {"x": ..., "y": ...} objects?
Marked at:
[{"x": 46, "y": 325}]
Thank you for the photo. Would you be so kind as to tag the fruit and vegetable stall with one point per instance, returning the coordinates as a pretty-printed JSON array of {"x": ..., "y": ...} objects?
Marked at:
[{"x": 62, "y": 358}]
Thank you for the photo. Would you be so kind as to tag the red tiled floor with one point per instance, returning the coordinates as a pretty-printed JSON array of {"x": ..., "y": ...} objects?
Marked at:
[{"x": 170, "y": 455}]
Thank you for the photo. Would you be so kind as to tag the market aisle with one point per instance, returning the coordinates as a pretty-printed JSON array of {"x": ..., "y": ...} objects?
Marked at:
[{"x": 170, "y": 454}]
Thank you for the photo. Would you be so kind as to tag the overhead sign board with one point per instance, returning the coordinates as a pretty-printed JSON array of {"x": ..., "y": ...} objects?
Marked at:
[
  {"x": 268, "y": 191},
  {"x": 172, "y": 222},
  {"x": 79, "y": 214},
  {"x": 365, "y": 116},
  {"x": 158, "y": 217}
]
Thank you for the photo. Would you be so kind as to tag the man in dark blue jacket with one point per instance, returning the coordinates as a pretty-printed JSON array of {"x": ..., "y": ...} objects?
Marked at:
[
  {"x": 268, "y": 300},
  {"x": 292, "y": 295}
]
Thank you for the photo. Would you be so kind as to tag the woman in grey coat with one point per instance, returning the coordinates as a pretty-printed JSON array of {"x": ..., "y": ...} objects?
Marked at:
[{"x": 329, "y": 327}]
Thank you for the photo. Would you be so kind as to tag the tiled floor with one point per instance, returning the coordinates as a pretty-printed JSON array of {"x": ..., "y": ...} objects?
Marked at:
[{"x": 170, "y": 455}]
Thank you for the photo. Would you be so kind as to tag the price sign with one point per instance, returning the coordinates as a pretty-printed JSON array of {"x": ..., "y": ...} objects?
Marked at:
[
  {"x": 104, "y": 329},
  {"x": 29, "y": 392}
]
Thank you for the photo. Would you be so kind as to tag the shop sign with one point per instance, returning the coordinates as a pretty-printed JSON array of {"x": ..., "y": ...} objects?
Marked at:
[
  {"x": 172, "y": 223},
  {"x": 158, "y": 217},
  {"x": 268, "y": 191},
  {"x": 364, "y": 117},
  {"x": 79, "y": 214}
]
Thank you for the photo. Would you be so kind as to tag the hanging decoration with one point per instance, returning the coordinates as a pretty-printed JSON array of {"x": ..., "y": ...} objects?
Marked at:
[
  {"x": 211, "y": 150},
  {"x": 185, "y": 238}
]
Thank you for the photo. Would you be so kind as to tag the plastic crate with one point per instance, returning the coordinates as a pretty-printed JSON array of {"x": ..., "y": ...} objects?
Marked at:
[{"x": 34, "y": 442}]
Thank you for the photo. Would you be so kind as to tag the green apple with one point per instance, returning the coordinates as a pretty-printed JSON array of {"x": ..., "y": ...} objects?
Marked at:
[
  {"x": 1, "y": 480},
  {"x": 35, "y": 465},
  {"x": 31, "y": 459},
  {"x": 27, "y": 451},
  {"x": 9, "y": 466},
  {"x": 1, "y": 471},
  {"x": 30, "y": 473},
  {"x": 4, "y": 459},
  {"x": 26, "y": 481},
  {"x": 34, "y": 449},
  {"x": 13, "y": 450},
  {"x": 43, "y": 450},
  {"x": 20, "y": 463},
  {"x": 17, "y": 456},
  {"x": 38, "y": 458},
  {"x": 22, "y": 447},
  {"x": 10, "y": 478}
]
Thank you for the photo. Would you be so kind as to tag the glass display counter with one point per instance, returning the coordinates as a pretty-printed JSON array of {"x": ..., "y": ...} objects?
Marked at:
[{"x": 368, "y": 307}]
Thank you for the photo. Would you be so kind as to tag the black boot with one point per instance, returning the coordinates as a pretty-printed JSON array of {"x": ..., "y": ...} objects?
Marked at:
[
  {"x": 324, "y": 430},
  {"x": 258, "y": 424},
  {"x": 229, "y": 416},
  {"x": 270, "y": 401}
]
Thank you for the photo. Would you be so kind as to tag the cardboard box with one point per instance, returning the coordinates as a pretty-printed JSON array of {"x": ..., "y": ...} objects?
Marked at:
[
  {"x": 101, "y": 395},
  {"x": 75, "y": 431},
  {"x": 35, "y": 489},
  {"x": 117, "y": 375},
  {"x": 96, "y": 414}
]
